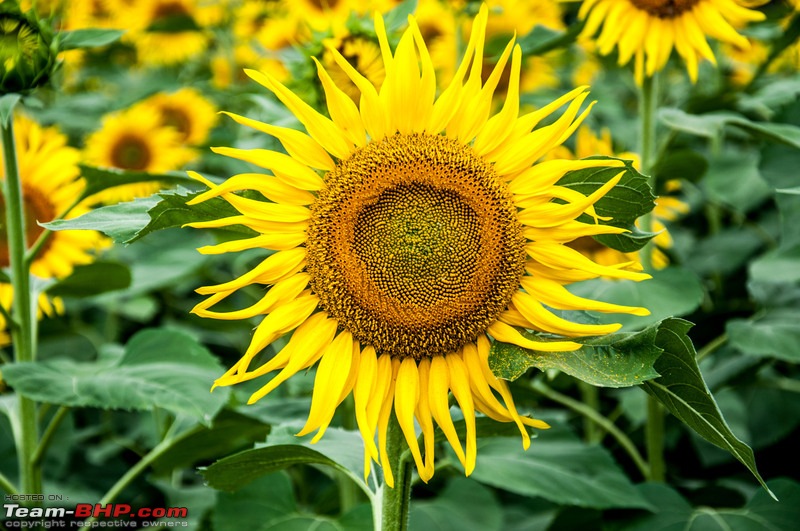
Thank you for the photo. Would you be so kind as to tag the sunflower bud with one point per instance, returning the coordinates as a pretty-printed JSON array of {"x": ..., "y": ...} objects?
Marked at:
[{"x": 26, "y": 57}]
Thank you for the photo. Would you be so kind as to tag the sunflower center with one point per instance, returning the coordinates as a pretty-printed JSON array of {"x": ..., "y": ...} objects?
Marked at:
[
  {"x": 177, "y": 119},
  {"x": 414, "y": 245},
  {"x": 665, "y": 8},
  {"x": 130, "y": 153},
  {"x": 37, "y": 207}
]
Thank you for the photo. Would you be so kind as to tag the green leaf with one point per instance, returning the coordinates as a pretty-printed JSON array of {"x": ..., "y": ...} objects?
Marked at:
[
  {"x": 120, "y": 222},
  {"x": 87, "y": 38},
  {"x": 778, "y": 266},
  {"x": 683, "y": 391},
  {"x": 7, "y": 104},
  {"x": 542, "y": 39},
  {"x": 628, "y": 200},
  {"x": 99, "y": 179},
  {"x": 339, "y": 449},
  {"x": 671, "y": 292},
  {"x": 268, "y": 503},
  {"x": 712, "y": 124},
  {"x": 93, "y": 279},
  {"x": 789, "y": 191},
  {"x": 614, "y": 360},
  {"x": 558, "y": 467},
  {"x": 160, "y": 368},
  {"x": 172, "y": 211},
  {"x": 397, "y": 17},
  {"x": 776, "y": 335},
  {"x": 706, "y": 125},
  {"x": 684, "y": 163},
  {"x": 733, "y": 178},
  {"x": 463, "y": 505}
]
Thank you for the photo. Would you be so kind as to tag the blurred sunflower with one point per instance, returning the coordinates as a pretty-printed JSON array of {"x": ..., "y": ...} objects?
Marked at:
[
  {"x": 431, "y": 229},
  {"x": 362, "y": 53},
  {"x": 135, "y": 139},
  {"x": 648, "y": 30},
  {"x": 49, "y": 174},
  {"x": 668, "y": 208},
  {"x": 168, "y": 32},
  {"x": 187, "y": 111}
]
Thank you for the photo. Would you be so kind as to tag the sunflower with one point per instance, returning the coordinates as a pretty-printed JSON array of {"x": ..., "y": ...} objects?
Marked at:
[
  {"x": 134, "y": 139},
  {"x": 408, "y": 230},
  {"x": 187, "y": 111},
  {"x": 171, "y": 32},
  {"x": 648, "y": 30},
  {"x": 49, "y": 172},
  {"x": 362, "y": 53}
]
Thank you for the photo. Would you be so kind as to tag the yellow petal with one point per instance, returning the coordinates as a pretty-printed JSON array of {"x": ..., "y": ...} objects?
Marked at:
[
  {"x": 506, "y": 334},
  {"x": 459, "y": 383},
  {"x": 406, "y": 397},
  {"x": 438, "y": 391}
]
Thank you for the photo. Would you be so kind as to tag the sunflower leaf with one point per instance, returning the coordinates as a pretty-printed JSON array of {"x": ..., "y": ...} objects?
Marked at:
[
  {"x": 99, "y": 179},
  {"x": 615, "y": 360},
  {"x": 87, "y": 38},
  {"x": 120, "y": 222},
  {"x": 712, "y": 125},
  {"x": 775, "y": 335},
  {"x": 624, "y": 203},
  {"x": 93, "y": 279},
  {"x": 683, "y": 391},
  {"x": 160, "y": 368}
]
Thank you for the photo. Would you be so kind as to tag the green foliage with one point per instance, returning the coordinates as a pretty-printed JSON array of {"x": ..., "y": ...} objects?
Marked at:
[
  {"x": 7, "y": 104},
  {"x": 683, "y": 391},
  {"x": 615, "y": 360},
  {"x": 93, "y": 279},
  {"x": 463, "y": 505},
  {"x": 159, "y": 368},
  {"x": 87, "y": 38},
  {"x": 627, "y": 201},
  {"x": 558, "y": 467}
]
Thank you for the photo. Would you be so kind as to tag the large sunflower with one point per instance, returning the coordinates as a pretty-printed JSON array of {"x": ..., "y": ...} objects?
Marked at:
[
  {"x": 408, "y": 230},
  {"x": 648, "y": 30},
  {"x": 49, "y": 172}
]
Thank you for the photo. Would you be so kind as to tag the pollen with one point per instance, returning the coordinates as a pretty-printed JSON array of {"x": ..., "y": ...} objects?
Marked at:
[{"x": 414, "y": 245}]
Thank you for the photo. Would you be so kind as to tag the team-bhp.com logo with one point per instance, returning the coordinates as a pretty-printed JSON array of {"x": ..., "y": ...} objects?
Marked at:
[{"x": 93, "y": 515}]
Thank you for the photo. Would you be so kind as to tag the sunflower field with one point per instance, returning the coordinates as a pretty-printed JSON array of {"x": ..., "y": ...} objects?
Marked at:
[{"x": 388, "y": 265}]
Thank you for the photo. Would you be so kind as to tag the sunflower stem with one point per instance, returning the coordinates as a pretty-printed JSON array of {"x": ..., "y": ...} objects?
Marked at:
[
  {"x": 47, "y": 437},
  {"x": 395, "y": 502},
  {"x": 23, "y": 331}
]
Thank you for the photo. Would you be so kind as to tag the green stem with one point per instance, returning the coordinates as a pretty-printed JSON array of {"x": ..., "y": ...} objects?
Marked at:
[
  {"x": 648, "y": 103},
  {"x": 23, "y": 335},
  {"x": 654, "y": 430},
  {"x": 47, "y": 437},
  {"x": 591, "y": 398},
  {"x": 711, "y": 347},
  {"x": 647, "y": 112},
  {"x": 598, "y": 419},
  {"x": 6, "y": 485},
  {"x": 395, "y": 501}
]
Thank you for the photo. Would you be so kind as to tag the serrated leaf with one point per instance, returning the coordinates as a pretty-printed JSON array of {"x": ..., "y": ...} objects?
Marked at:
[
  {"x": 463, "y": 505},
  {"x": 99, "y": 179},
  {"x": 160, "y": 368},
  {"x": 120, "y": 222},
  {"x": 340, "y": 449},
  {"x": 615, "y": 360},
  {"x": 558, "y": 467},
  {"x": 628, "y": 200},
  {"x": 87, "y": 38},
  {"x": 683, "y": 391},
  {"x": 7, "y": 104},
  {"x": 93, "y": 279},
  {"x": 775, "y": 335}
]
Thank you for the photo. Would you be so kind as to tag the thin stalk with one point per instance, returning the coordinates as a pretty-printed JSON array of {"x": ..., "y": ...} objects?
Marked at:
[
  {"x": 711, "y": 347},
  {"x": 46, "y": 234},
  {"x": 395, "y": 501},
  {"x": 23, "y": 335},
  {"x": 599, "y": 420},
  {"x": 648, "y": 103},
  {"x": 591, "y": 398},
  {"x": 47, "y": 436},
  {"x": 6, "y": 485}
]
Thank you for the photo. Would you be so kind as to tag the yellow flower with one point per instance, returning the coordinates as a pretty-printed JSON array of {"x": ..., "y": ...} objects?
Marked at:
[
  {"x": 187, "y": 111},
  {"x": 136, "y": 140},
  {"x": 170, "y": 44},
  {"x": 49, "y": 175},
  {"x": 406, "y": 231},
  {"x": 648, "y": 30},
  {"x": 363, "y": 54}
]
